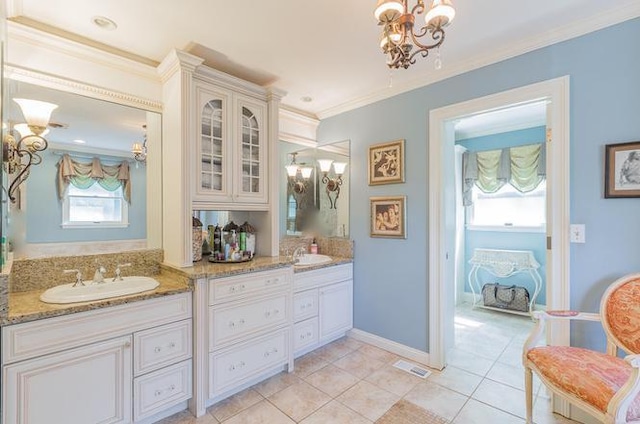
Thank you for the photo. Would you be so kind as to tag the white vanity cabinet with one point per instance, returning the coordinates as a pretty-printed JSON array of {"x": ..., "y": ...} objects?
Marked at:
[
  {"x": 123, "y": 364},
  {"x": 323, "y": 306},
  {"x": 231, "y": 154},
  {"x": 247, "y": 330}
]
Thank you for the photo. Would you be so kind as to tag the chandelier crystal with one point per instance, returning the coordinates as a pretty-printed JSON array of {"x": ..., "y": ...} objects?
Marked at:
[{"x": 399, "y": 40}]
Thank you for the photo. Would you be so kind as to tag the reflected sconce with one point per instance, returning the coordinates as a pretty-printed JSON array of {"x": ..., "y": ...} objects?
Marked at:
[
  {"x": 139, "y": 150},
  {"x": 298, "y": 176},
  {"x": 18, "y": 156},
  {"x": 332, "y": 184}
]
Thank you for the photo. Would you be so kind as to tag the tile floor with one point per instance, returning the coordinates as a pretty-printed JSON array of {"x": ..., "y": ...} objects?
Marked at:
[{"x": 349, "y": 382}]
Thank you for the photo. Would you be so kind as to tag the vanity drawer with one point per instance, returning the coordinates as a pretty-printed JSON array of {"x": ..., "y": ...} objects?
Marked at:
[
  {"x": 320, "y": 277},
  {"x": 231, "y": 288},
  {"x": 305, "y": 334},
  {"x": 232, "y": 322},
  {"x": 235, "y": 366},
  {"x": 305, "y": 305},
  {"x": 161, "y": 346},
  {"x": 160, "y": 390}
]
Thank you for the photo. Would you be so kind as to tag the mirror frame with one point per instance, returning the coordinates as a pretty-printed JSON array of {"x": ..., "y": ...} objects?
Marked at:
[{"x": 154, "y": 159}]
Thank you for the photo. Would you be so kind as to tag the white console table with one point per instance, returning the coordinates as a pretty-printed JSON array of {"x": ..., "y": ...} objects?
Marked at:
[{"x": 503, "y": 264}]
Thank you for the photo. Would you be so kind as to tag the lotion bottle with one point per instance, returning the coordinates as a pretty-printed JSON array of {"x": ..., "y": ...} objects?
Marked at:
[{"x": 314, "y": 247}]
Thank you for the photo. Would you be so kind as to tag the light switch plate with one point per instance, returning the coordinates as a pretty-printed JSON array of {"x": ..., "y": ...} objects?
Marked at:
[{"x": 577, "y": 233}]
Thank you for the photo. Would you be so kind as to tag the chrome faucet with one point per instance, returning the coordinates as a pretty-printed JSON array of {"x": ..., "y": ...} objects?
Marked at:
[
  {"x": 299, "y": 252},
  {"x": 78, "y": 276},
  {"x": 118, "y": 276},
  {"x": 98, "y": 276}
]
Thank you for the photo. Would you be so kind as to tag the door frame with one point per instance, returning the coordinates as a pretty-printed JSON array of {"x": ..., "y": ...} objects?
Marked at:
[{"x": 556, "y": 93}]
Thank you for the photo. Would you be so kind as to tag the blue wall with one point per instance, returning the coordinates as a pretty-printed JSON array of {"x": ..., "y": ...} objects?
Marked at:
[
  {"x": 511, "y": 240},
  {"x": 390, "y": 292},
  {"x": 42, "y": 195}
]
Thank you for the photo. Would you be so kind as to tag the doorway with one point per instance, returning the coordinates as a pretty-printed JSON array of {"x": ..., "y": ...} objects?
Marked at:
[{"x": 441, "y": 195}]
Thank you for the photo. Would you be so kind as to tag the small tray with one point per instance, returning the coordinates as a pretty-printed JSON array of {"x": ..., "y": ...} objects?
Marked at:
[{"x": 216, "y": 261}]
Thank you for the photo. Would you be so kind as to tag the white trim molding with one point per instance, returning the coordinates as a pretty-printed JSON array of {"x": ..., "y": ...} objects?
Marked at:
[
  {"x": 556, "y": 93},
  {"x": 79, "y": 248},
  {"x": 390, "y": 346}
]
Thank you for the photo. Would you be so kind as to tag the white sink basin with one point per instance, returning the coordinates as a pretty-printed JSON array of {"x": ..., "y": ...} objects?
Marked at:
[
  {"x": 66, "y": 293},
  {"x": 312, "y": 259}
]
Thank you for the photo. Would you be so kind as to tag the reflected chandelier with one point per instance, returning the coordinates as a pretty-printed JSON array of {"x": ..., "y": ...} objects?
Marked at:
[{"x": 398, "y": 35}]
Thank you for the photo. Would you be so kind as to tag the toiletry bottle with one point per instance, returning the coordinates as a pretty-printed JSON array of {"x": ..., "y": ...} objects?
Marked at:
[
  {"x": 242, "y": 239},
  {"x": 217, "y": 239},
  {"x": 314, "y": 247}
]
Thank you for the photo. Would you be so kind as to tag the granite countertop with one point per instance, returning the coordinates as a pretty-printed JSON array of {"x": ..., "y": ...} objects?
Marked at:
[{"x": 26, "y": 306}]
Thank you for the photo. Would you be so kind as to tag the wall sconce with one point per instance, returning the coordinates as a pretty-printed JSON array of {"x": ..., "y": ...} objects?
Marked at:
[
  {"x": 139, "y": 150},
  {"x": 332, "y": 184},
  {"x": 32, "y": 141},
  {"x": 298, "y": 176}
]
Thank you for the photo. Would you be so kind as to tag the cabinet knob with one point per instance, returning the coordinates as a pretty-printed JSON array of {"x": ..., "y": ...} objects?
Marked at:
[
  {"x": 158, "y": 393},
  {"x": 241, "y": 286},
  {"x": 267, "y": 314},
  {"x": 172, "y": 388},
  {"x": 276, "y": 312},
  {"x": 232, "y": 324},
  {"x": 309, "y": 305},
  {"x": 127, "y": 344},
  {"x": 157, "y": 349},
  {"x": 172, "y": 345},
  {"x": 309, "y": 334},
  {"x": 232, "y": 289}
]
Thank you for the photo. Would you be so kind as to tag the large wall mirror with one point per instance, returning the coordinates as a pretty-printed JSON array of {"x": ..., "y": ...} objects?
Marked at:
[
  {"x": 314, "y": 191},
  {"x": 68, "y": 204}
]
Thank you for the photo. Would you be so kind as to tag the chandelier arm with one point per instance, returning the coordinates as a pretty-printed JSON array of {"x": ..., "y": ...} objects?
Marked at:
[
  {"x": 417, "y": 9},
  {"x": 437, "y": 35}
]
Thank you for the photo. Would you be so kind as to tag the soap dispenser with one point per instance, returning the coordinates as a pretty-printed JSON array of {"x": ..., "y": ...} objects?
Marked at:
[{"x": 314, "y": 247}]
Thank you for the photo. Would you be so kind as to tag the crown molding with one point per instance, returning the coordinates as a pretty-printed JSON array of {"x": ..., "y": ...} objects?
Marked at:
[
  {"x": 41, "y": 39},
  {"x": 83, "y": 89},
  {"x": 499, "y": 54},
  {"x": 177, "y": 60}
]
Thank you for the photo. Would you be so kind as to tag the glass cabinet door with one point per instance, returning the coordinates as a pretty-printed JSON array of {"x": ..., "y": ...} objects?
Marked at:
[
  {"x": 250, "y": 141},
  {"x": 211, "y": 145}
]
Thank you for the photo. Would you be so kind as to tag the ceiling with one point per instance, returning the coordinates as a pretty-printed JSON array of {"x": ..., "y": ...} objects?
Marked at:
[
  {"x": 511, "y": 118},
  {"x": 324, "y": 50}
]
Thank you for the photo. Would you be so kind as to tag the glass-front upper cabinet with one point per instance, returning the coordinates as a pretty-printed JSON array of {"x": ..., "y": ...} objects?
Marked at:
[{"x": 231, "y": 153}]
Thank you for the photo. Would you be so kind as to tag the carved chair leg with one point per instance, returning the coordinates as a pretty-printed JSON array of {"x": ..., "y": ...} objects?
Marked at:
[{"x": 528, "y": 389}]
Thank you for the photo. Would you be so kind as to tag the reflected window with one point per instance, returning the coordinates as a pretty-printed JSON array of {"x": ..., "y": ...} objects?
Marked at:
[{"x": 94, "y": 207}]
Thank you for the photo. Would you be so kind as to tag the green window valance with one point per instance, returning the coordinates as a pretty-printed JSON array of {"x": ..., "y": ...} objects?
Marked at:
[
  {"x": 524, "y": 167},
  {"x": 84, "y": 175}
]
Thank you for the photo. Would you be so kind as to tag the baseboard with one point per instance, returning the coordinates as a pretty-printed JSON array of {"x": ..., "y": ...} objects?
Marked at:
[
  {"x": 391, "y": 346},
  {"x": 468, "y": 298}
]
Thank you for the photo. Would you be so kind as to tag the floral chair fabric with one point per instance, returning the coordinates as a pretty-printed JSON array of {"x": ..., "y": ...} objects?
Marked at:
[{"x": 600, "y": 383}]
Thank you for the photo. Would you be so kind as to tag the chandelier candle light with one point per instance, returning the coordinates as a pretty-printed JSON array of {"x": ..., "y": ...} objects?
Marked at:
[
  {"x": 140, "y": 150},
  {"x": 32, "y": 141},
  {"x": 398, "y": 36}
]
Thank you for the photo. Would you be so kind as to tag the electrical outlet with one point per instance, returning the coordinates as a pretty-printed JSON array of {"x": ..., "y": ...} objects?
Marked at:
[{"x": 577, "y": 233}]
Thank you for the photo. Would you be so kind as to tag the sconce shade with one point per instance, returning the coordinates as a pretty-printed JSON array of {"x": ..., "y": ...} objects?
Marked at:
[
  {"x": 325, "y": 164},
  {"x": 25, "y": 131},
  {"x": 36, "y": 113},
  {"x": 306, "y": 172},
  {"x": 339, "y": 167},
  {"x": 292, "y": 170},
  {"x": 440, "y": 14}
]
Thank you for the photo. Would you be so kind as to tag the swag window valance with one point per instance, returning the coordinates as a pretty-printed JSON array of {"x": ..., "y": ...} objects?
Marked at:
[
  {"x": 523, "y": 167},
  {"x": 84, "y": 175}
]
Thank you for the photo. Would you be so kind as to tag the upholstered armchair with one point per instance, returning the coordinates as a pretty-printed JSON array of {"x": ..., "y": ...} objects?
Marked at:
[{"x": 601, "y": 384}]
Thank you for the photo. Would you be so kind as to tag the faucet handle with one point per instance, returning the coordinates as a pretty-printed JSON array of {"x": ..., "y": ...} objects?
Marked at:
[
  {"x": 118, "y": 276},
  {"x": 78, "y": 276}
]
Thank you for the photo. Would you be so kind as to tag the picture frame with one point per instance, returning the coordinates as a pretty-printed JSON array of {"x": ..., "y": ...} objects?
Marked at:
[
  {"x": 386, "y": 163},
  {"x": 388, "y": 217},
  {"x": 622, "y": 170}
]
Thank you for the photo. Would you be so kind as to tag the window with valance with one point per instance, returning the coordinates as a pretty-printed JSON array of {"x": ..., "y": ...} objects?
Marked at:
[
  {"x": 84, "y": 175},
  {"x": 523, "y": 167}
]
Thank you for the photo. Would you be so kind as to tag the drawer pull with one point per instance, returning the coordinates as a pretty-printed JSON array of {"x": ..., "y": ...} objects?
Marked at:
[
  {"x": 232, "y": 324},
  {"x": 168, "y": 389},
  {"x": 267, "y": 314},
  {"x": 158, "y": 349},
  {"x": 172, "y": 345},
  {"x": 309, "y": 305},
  {"x": 309, "y": 334}
]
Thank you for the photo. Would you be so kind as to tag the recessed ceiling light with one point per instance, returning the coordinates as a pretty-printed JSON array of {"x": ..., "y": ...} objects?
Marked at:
[
  {"x": 306, "y": 99},
  {"x": 79, "y": 141},
  {"x": 103, "y": 22}
]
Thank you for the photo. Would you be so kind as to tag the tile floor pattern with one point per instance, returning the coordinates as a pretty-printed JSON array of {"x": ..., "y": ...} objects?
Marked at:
[{"x": 349, "y": 382}]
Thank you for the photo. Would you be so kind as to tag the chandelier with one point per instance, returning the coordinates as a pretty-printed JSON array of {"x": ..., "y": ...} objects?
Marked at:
[
  {"x": 140, "y": 150},
  {"x": 398, "y": 35}
]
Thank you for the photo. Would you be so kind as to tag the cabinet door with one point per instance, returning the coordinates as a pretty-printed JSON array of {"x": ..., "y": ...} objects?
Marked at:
[
  {"x": 336, "y": 309},
  {"x": 91, "y": 384},
  {"x": 213, "y": 152},
  {"x": 250, "y": 185}
]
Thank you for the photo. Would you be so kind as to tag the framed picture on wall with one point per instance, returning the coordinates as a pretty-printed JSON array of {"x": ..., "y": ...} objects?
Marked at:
[
  {"x": 622, "y": 170},
  {"x": 389, "y": 216},
  {"x": 386, "y": 163}
]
